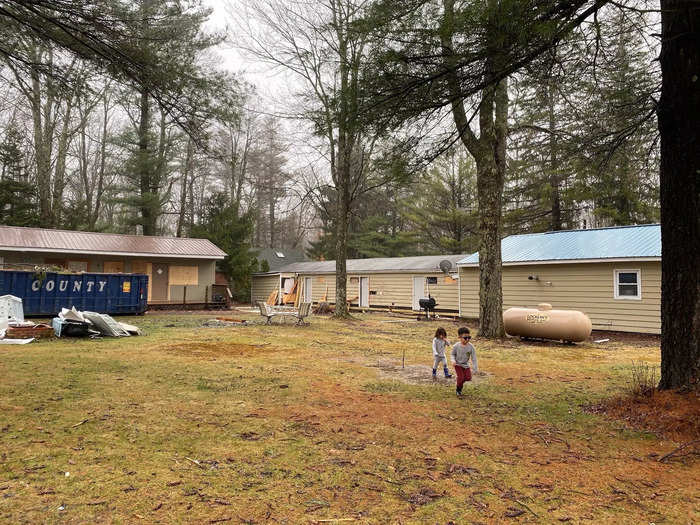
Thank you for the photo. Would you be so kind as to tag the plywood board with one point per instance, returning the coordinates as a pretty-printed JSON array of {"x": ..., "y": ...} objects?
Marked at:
[
  {"x": 113, "y": 267},
  {"x": 184, "y": 275}
]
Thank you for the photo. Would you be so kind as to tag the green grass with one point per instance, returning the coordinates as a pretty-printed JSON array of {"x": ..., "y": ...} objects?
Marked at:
[{"x": 295, "y": 424}]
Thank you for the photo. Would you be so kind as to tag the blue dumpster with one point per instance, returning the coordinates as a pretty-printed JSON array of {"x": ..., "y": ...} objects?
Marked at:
[{"x": 46, "y": 294}]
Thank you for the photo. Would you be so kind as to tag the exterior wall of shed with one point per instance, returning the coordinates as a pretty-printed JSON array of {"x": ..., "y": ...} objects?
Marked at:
[
  {"x": 588, "y": 287},
  {"x": 195, "y": 293},
  {"x": 262, "y": 286},
  {"x": 392, "y": 289},
  {"x": 206, "y": 269}
]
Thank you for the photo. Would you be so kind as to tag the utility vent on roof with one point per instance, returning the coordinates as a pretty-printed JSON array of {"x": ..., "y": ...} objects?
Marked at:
[{"x": 280, "y": 255}]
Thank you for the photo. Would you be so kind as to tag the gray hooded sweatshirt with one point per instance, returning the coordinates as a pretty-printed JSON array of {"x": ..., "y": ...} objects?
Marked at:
[{"x": 461, "y": 354}]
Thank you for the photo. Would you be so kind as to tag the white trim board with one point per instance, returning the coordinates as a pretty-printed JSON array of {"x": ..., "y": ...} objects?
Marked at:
[
  {"x": 571, "y": 261},
  {"x": 117, "y": 254}
]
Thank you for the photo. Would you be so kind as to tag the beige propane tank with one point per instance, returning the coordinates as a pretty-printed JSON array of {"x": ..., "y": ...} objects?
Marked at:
[{"x": 543, "y": 322}]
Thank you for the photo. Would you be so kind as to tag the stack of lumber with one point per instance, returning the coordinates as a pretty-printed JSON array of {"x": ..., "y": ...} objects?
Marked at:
[{"x": 272, "y": 299}]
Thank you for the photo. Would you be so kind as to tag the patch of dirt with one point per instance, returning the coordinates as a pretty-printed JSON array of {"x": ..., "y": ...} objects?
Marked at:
[
  {"x": 627, "y": 338},
  {"x": 613, "y": 338},
  {"x": 216, "y": 349},
  {"x": 421, "y": 374},
  {"x": 673, "y": 415}
]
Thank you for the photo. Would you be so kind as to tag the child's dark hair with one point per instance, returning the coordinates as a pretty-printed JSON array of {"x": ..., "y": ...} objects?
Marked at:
[
  {"x": 463, "y": 330},
  {"x": 440, "y": 332}
]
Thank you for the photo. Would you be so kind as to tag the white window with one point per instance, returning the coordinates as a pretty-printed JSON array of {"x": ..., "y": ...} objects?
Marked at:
[
  {"x": 628, "y": 284},
  {"x": 280, "y": 255}
]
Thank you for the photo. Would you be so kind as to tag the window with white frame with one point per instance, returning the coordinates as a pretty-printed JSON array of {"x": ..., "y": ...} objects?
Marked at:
[{"x": 628, "y": 284}]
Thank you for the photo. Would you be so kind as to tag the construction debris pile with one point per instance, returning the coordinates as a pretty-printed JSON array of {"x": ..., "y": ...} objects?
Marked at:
[
  {"x": 73, "y": 323},
  {"x": 14, "y": 329}
]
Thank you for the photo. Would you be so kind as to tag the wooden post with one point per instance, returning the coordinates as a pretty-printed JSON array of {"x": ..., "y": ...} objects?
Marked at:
[
  {"x": 206, "y": 297},
  {"x": 184, "y": 294}
]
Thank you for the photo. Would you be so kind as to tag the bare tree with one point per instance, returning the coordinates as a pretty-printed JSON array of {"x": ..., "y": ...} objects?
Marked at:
[
  {"x": 90, "y": 150},
  {"x": 318, "y": 43}
]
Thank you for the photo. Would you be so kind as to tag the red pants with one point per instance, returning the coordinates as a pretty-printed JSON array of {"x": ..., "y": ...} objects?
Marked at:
[{"x": 463, "y": 374}]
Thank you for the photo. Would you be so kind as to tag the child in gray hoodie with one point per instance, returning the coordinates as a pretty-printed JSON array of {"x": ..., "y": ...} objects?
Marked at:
[
  {"x": 462, "y": 353},
  {"x": 440, "y": 342}
]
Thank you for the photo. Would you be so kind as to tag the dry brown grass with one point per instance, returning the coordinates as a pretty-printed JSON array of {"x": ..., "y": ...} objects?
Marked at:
[
  {"x": 287, "y": 424},
  {"x": 672, "y": 415}
]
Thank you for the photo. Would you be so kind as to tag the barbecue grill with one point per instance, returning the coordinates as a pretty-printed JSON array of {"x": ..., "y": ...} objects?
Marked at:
[{"x": 428, "y": 304}]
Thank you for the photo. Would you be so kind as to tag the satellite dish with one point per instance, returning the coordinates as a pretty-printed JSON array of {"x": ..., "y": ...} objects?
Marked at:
[{"x": 445, "y": 266}]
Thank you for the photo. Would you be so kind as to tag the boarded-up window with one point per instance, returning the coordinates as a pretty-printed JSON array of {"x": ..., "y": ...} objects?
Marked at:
[
  {"x": 184, "y": 275},
  {"x": 113, "y": 267},
  {"x": 139, "y": 267},
  {"x": 78, "y": 266}
]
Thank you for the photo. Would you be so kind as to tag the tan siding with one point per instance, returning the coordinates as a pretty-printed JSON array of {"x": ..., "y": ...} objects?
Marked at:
[
  {"x": 206, "y": 271},
  {"x": 319, "y": 284},
  {"x": 392, "y": 289},
  {"x": 588, "y": 287},
  {"x": 469, "y": 293},
  {"x": 446, "y": 293},
  {"x": 263, "y": 285}
]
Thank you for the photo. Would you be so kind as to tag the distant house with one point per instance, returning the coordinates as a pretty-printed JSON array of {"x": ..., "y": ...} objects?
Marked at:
[
  {"x": 611, "y": 274},
  {"x": 179, "y": 269},
  {"x": 277, "y": 259},
  {"x": 386, "y": 282}
]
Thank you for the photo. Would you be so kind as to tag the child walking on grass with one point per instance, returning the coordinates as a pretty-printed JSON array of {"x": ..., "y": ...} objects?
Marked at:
[
  {"x": 462, "y": 353},
  {"x": 440, "y": 342}
]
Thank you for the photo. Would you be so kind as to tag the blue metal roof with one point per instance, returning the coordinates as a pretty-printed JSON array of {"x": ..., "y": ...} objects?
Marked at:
[{"x": 624, "y": 242}]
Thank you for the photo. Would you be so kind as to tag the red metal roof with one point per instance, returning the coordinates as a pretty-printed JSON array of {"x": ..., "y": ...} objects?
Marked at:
[{"x": 16, "y": 238}]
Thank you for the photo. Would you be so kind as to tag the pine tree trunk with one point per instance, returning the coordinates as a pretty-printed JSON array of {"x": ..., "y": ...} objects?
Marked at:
[
  {"x": 59, "y": 179},
  {"x": 145, "y": 168},
  {"x": 94, "y": 217},
  {"x": 341, "y": 237},
  {"x": 554, "y": 178},
  {"x": 271, "y": 206},
  {"x": 189, "y": 153},
  {"x": 41, "y": 113},
  {"x": 680, "y": 194},
  {"x": 490, "y": 296},
  {"x": 489, "y": 153}
]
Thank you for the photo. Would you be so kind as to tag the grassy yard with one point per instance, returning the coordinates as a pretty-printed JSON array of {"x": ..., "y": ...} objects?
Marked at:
[{"x": 282, "y": 424}]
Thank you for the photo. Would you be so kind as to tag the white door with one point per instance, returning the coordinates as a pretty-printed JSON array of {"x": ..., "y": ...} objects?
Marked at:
[
  {"x": 418, "y": 291},
  {"x": 307, "y": 290},
  {"x": 364, "y": 292}
]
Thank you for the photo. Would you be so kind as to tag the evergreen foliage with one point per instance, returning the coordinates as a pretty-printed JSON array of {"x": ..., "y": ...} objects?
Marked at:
[{"x": 222, "y": 225}]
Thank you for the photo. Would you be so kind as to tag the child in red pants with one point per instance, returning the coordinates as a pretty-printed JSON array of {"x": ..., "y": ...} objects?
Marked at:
[{"x": 462, "y": 353}]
